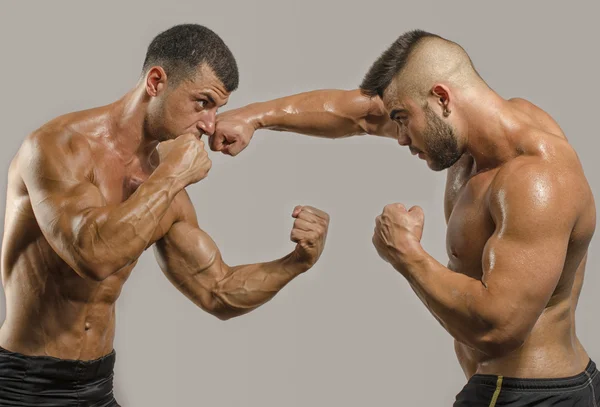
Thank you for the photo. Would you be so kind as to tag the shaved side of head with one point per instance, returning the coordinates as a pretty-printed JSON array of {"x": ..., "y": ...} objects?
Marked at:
[{"x": 415, "y": 62}]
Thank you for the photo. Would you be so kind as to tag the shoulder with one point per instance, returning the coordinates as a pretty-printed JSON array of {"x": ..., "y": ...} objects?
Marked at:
[
  {"x": 54, "y": 147},
  {"x": 536, "y": 117},
  {"x": 534, "y": 188}
]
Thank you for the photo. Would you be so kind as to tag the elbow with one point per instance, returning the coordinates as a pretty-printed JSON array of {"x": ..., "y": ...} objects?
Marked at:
[
  {"x": 94, "y": 271},
  {"x": 92, "y": 259},
  {"x": 223, "y": 316},
  {"x": 96, "y": 265},
  {"x": 500, "y": 341},
  {"x": 93, "y": 266},
  {"x": 219, "y": 308}
]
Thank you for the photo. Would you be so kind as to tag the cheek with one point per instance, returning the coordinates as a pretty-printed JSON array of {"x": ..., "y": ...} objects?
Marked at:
[
  {"x": 416, "y": 134},
  {"x": 178, "y": 116},
  {"x": 155, "y": 114},
  {"x": 185, "y": 112}
]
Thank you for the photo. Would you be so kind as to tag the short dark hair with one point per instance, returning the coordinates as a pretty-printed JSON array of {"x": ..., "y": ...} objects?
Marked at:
[
  {"x": 181, "y": 49},
  {"x": 391, "y": 61}
]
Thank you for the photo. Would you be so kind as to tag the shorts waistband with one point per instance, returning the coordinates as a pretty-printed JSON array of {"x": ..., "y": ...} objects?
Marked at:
[
  {"x": 65, "y": 369},
  {"x": 538, "y": 384}
]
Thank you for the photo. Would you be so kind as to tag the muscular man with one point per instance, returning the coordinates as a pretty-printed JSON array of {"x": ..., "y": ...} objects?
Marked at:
[
  {"x": 520, "y": 214},
  {"x": 89, "y": 191}
]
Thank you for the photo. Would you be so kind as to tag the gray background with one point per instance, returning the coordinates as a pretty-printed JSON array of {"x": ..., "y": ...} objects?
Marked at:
[{"x": 350, "y": 332}]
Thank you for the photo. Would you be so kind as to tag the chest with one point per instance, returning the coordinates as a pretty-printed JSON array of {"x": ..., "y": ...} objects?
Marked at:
[
  {"x": 116, "y": 180},
  {"x": 118, "y": 183},
  {"x": 469, "y": 223}
]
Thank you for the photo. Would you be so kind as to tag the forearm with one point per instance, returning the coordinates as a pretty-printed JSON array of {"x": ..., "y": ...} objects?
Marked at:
[
  {"x": 112, "y": 237},
  {"x": 192, "y": 262},
  {"x": 247, "y": 287},
  {"x": 463, "y": 305},
  {"x": 321, "y": 113}
]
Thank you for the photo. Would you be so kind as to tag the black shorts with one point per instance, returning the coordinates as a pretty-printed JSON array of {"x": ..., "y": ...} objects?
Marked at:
[
  {"x": 44, "y": 381},
  {"x": 582, "y": 390}
]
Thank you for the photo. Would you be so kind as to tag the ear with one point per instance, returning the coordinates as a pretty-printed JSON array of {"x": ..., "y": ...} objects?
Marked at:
[
  {"x": 156, "y": 81},
  {"x": 442, "y": 94}
]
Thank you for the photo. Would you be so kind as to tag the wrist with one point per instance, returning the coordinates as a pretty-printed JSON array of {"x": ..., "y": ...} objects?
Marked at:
[
  {"x": 262, "y": 115},
  {"x": 164, "y": 179},
  {"x": 411, "y": 259},
  {"x": 293, "y": 264}
]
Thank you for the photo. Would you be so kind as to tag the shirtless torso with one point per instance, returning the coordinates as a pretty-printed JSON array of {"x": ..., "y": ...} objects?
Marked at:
[
  {"x": 472, "y": 199},
  {"x": 552, "y": 348},
  {"x": 79, "y": 214},
  {"x": 51, "y": 309}
]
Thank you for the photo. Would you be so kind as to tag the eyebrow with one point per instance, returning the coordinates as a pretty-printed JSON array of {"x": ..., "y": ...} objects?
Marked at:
[
  {"x": 210, "y": 98},
  {"x": 396, "y": 111}
]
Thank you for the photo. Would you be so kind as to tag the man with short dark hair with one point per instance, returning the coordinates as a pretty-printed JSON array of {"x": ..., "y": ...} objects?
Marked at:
[
  {"x": 89, "y": 192},
  {"x": 520, "y": 214}
]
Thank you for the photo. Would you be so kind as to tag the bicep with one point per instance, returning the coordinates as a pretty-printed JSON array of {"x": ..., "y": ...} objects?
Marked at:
[
  {"x": 60, "y": 196},
  {"x": 189, "y": 257},
  {"x": 522, "y": 271},
  {"x": 524, "y": 259}
]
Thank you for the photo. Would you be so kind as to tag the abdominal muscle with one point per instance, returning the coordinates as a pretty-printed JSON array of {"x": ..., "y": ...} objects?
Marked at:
[{"x": 52, "y": 311}]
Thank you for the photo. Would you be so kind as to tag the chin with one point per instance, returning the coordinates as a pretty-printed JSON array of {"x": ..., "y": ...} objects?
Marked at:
[
  {"x": 165, "y": 137},
  {"x": 436, "y": 166}
]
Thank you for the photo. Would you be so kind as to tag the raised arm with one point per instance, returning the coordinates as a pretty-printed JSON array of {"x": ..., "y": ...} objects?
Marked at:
[
  {"x": 192, "y": 262},
  {"x": 522, "y": 261},
  {"x": 326, "y": 113},
  {"x": 94, "y": 238}
]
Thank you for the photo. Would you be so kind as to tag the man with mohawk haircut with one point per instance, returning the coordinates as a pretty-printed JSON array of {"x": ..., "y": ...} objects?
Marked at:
[{"x": 520, "y": 214}]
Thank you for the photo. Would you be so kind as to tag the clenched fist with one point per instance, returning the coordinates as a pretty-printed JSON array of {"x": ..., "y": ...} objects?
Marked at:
[
  {"x": 232, "y": 134},
  {"x": 398, "y": 233},
  {"x": 185, "y": 158},
  {"x": 309, "y": 232}
]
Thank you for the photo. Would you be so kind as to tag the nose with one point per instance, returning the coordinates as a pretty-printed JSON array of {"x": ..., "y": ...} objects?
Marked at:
[
  {"x": 403, "y": 140},
  {"x": 207, "y": 123}
]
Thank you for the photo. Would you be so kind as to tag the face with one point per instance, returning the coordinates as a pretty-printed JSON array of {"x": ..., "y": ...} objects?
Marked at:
[
  {"x": 425, "y": 133},
  {"x": 190, "y": 106}
]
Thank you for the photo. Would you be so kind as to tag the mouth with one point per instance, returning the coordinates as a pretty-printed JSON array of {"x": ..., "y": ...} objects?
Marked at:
[{"x": 417, "y": 152}]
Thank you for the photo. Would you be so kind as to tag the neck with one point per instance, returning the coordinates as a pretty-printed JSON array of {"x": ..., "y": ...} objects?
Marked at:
[
  {"x": 488, "y": 127},
  {"x": 128, "y": 134}
]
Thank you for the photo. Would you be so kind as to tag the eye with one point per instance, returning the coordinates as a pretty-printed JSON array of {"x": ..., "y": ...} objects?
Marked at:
[
  {"x": 402, "y": 120},
  {"x": 202, "y": 103}
]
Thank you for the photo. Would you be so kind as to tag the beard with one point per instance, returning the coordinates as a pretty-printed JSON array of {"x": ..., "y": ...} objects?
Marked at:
[{"x": 441, "y": 142}]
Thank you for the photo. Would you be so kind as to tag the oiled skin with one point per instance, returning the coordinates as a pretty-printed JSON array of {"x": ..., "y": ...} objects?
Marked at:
[
  {"x": 551, "y": 348},
  {"x": 518, "y": 320},
  {"x": 90, "y": 191},
  {"x": 51, "y": 309}
]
